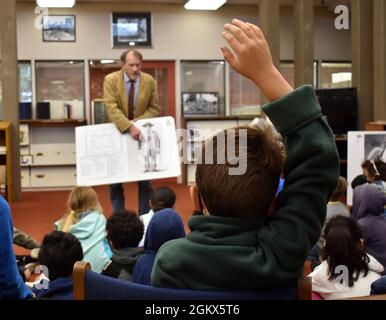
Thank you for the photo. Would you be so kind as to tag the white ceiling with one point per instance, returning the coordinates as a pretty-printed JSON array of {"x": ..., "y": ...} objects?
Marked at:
[{"x": 328, "y": 3}]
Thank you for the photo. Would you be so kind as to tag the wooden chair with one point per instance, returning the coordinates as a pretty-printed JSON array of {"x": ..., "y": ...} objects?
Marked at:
[{"x": 89, "y": 285}]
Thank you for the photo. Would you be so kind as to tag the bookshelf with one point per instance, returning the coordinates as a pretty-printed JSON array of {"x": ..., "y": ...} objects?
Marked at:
[{"x": 6, "y": 160}]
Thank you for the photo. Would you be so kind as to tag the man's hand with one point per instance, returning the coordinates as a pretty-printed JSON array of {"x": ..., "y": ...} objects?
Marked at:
[
  {"x": 252, "y": 58},
  {"x": 135, "y": 132}
]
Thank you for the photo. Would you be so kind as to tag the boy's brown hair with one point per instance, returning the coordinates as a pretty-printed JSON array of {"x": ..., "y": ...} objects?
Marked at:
[
  {"x": 248, "y": 195},
  {"x": 340, "y": 189}
]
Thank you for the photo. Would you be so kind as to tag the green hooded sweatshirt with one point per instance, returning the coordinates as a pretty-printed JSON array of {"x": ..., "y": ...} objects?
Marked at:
[{"x": 242, "y": 254}]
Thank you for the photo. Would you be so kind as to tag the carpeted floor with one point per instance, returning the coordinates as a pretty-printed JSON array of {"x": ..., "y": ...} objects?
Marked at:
[{"x": 37, "y": 211}]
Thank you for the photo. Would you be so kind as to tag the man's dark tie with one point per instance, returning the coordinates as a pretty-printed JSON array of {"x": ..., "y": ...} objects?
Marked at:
[{"x": 131, "y": 100}]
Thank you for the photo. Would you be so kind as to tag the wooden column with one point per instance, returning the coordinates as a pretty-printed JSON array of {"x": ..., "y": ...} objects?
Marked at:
[
  {"x": 269, "y": 22},
  {"x": 9, "y": 76},
  {"x": 379, "y": 60},
  {"x": 362, "y": 57},
  {"x": 304, "y": 41}
]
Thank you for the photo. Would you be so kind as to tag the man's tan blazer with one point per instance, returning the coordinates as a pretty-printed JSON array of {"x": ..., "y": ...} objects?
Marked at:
[{"x": 116, "y": 99}]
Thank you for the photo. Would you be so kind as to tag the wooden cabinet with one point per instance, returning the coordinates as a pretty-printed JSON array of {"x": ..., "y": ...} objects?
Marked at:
[
  {"x": 6, "y": 160},
  {"x": 375, "y": 126},
  {"x": 49, "y": 158}
]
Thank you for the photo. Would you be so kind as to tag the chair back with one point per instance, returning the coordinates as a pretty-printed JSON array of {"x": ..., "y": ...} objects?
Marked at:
[{"x": 89, "y": 285}]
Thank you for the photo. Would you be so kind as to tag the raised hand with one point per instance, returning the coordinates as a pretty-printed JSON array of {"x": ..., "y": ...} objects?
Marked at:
[{"x": 252, "y": 58}]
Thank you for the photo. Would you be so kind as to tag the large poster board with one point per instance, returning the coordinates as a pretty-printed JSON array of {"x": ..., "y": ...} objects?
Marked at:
[
  {"x": 105, "y": 156},
  {"x": 362, "y": 146}
]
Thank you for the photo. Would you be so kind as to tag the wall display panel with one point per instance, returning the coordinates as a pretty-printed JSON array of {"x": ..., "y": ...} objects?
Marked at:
[
  {"x": 245, "y": 98},
  {"x": 61, "y": 83},
  {"x": 204, "y": 76},
  {"x": 162, "y": 72},
  {"x": 335, "y": 75},
  {"x": 25, "y": 81}
]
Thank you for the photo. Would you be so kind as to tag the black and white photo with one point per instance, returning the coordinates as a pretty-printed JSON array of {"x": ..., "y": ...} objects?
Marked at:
[
  {"x": 200, "y": 103},
  {"x": 131, "y": 29},
  {"x": 58, "y": 28},
  {"x": 149, "y": 146},
  {"x": 375, "y": 147},
  {"x": 105, "y": 156},
  {"x": 363, "y": 146}
]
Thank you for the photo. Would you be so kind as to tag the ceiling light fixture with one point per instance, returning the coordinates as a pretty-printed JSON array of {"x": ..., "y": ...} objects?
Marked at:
[
  {"x": 55, "y": 3},
  {"x": 204, "y": 4}
]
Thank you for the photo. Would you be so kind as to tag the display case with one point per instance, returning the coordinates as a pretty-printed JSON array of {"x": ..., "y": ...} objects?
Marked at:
[
  {"x": 245, "y": 98},
  {"x": 162, "y": 71},
  {"x": 25, "y": 81},
  {"x": 60, "y": 90},
  {"x": 287, "y": 69},
  {"x": 335, "y": 74},
  {"x": 201, "y": 79}
]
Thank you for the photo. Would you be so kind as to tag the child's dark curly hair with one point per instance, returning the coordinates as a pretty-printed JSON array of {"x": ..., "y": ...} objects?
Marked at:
[{"x": 124, "y": 229}]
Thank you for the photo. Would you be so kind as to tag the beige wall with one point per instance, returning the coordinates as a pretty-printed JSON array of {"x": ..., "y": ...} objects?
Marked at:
[{"x": 177, "y": 33}]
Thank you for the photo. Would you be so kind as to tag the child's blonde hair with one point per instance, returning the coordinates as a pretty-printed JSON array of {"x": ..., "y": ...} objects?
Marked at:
[{"x": 81, "y": 199}]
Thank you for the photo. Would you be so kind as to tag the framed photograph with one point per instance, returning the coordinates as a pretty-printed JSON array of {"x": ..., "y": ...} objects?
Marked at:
[
  {"x": 200, "y": 103},
  {"x": 57, "y": 28},
  {"x": 131, "y": 29}
]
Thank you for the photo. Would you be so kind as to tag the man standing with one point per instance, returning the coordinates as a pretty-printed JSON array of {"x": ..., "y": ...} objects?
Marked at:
[{"x": 130, "y": 95}]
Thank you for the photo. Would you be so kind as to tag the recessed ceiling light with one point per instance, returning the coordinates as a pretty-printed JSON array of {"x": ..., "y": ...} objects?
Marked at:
[
  {"x": 204, "y": 4},
  {"x": 55, "y": 3}
]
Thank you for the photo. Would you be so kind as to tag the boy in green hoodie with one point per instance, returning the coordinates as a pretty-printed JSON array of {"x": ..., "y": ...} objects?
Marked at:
[{"x": 238, "y": 244}]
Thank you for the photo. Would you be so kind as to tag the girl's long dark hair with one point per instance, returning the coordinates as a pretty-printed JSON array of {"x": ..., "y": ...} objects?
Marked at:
[{"x": 343, "y": 248}]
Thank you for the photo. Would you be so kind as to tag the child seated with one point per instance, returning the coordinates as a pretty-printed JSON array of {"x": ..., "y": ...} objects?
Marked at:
[
  {"x": 124, "y": 231},
  {"x": 57, "y": 256},
  {"x": 85, "y": 220},
  {"x": 378, "y": 286},
  {"x": 346, "y": 271},
  {"x": 166, "y": 225},
  {"x": 237, "y": 245},
  {"x": 334, "y": 208},
  {"x": 161, "y": 198},
  {"x": 11, "y": 282},
  {"x": 368, "y": 206},
  {"x": 24, "y": 240}
]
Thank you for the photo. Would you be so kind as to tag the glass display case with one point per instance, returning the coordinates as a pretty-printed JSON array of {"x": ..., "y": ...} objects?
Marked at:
[
  {"x": 25, "y": 81},
  {"x": 162, "y": 71},
  {"x": 61, "y": 84},
  {"x": 335, "y": 75},
  {"x": 203, "y": 82},
  {"x": 245, "y": 98},
  {"x": 287, "y": 69}
]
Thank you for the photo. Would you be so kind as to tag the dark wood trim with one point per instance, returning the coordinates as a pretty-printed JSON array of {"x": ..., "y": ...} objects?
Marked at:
[{"x": 54, "y": 123}]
